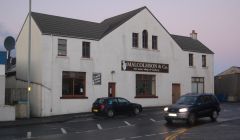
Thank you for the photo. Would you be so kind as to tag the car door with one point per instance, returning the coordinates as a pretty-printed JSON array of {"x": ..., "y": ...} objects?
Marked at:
[
  {"x": 200, "y": 106},
  {"x": 123, "y": 105}
]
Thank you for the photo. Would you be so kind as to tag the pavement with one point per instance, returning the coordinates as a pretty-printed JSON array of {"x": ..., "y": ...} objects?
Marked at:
[
  {"x": 54, "y": 119},
  {"x": 44, "y": 120}
]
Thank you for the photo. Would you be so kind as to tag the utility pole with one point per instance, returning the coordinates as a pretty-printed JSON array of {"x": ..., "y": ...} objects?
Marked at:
[{"x": 29, "y": 59}]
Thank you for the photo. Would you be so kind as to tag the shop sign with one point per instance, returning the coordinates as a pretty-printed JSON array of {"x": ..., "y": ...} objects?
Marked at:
[
  {"x": 144, "y": 66},
  {"x": 96, "y": 78}
]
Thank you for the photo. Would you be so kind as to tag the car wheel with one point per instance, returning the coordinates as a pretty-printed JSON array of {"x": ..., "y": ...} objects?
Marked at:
[
  {"x": 191, "y": 119},
  {"x": 136, "y": 111},
  {"x": 214, "y": 115},
  {"x": 169, "y": 121},
  {"x": 110, "y": 113}
]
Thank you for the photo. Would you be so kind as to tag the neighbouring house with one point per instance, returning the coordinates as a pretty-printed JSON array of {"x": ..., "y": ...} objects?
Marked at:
[
  {"x": 227, "y": 84},
  {"x": 7, "y": 113},
  {"x": 131, "y": 55}
]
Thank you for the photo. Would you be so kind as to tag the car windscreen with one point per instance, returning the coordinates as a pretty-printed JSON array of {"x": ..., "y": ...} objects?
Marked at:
[{"x": 187, "y": 100}]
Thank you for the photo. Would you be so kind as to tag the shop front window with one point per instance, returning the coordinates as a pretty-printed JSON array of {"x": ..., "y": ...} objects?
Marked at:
[
  {"x": 73, "y": 84},
  {"x": 145, "y": 86}
]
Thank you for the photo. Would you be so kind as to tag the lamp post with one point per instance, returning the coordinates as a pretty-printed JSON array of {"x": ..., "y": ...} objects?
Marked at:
[{"x": 29, "y": 58}]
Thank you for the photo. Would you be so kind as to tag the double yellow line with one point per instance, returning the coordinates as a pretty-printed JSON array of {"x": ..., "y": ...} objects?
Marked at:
[{"x": 177, "y": 133}]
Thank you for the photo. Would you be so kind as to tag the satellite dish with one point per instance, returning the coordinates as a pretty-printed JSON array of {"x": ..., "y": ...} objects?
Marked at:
[{"x": 9, "y": 43}]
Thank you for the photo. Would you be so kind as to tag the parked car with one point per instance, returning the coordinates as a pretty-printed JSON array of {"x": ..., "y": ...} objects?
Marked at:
[
  {"x": 112, "y": 106},
  {"x": 191, "y": 106}
]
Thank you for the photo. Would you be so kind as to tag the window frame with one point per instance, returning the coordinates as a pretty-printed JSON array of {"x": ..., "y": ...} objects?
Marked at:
[
  {"x": 143, "y": 79},
  {"x": 198, "y": 81},
  {"x": 62, "y": 47},
  {"x": 204, "y": 61},
  {"x": 86, "y": 50},
  {"x": 145, "y": 39},
  {"x": 191, "y": 60},
  {"x": 73, "y": 95},
  {"x": 135, "y": 40},
  {"x": 155, "y": 42}
]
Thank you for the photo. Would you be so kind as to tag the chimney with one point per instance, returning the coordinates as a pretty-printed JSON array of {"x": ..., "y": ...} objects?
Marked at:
[{"x": 193, "y": 35}]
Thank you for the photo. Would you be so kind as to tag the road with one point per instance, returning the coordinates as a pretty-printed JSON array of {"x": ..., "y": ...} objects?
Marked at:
[{"x": 149, "y": 125}]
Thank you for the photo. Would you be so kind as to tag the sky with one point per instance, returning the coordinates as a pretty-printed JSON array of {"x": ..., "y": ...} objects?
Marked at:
[{"x": 217, "y": 22}]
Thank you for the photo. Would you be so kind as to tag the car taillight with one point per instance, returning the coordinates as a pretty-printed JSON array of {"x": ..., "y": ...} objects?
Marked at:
[{"x": 102, "y": 107}]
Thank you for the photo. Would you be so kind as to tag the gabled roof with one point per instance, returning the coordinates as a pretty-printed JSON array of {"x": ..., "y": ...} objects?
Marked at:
[
  {"x": 191, "y": 45},
  {"x": 49, "y": 24},
  {"x": 232, "y": 70}
]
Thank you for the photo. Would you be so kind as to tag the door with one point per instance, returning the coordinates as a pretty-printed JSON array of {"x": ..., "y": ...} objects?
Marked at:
[
  {"x": 111, "y": 89},
  {"x": 176, "y": 92}
]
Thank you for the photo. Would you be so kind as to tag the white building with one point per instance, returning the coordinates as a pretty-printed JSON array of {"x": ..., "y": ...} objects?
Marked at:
[{"x": 131, "y": 55}]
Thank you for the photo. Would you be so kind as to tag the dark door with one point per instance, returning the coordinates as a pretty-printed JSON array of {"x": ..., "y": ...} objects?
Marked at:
[
  {"x": 111, "y": 89},
  {"x": 123, "y": 105},
  {"x": 176, "y": 92}
]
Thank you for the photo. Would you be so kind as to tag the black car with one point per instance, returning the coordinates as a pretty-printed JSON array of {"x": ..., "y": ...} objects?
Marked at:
[
  {"x": 191, "y": 106},
  {"x": 111, "y": 106}
]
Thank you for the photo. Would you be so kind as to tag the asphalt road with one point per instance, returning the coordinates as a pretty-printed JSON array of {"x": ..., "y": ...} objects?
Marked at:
[{"x": 149, "y": 125}]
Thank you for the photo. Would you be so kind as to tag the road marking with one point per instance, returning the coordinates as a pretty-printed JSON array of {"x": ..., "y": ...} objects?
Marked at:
[
  {"x": 127, "y": 123},
  {"x": 120, "y": 139},
  {"x": 153, "y": 120},
  {"x": 63, "y": 131},
  {"x": 149, "y": 135},
  {"x": 99, "y": 127},
  {"x": 162, "y": 133},
  {"x": 175, "y": 135},
  {"x": 136, "y": 137},
  {"x": 29, "y": 135}
]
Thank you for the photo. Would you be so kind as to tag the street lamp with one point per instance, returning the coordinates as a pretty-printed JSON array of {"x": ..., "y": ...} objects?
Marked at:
[{"x": 29, "y": 58}]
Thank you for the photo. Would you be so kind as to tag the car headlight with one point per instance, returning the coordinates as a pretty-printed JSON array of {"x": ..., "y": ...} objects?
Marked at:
[
  {"x": 165, "y": 109},
  {"x": 183, "y": 110}
]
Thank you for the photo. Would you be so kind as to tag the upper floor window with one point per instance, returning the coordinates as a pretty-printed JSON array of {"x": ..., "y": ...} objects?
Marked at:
[
  {"x": 135, "y": 40},
  {"x": 62, "y": 47},
  {"x": 145, "y": 39},
  {"x": 154, "y": 42},
  {"x": 190, "y": 59},
  {"x": 204, "y": 63},
  {"x": 86, "y": 49}
]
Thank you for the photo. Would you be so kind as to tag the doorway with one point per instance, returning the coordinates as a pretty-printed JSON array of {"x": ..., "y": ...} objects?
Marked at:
[
  {"x": 176, "y": 92},
  {"x": 111, "y": 89}
]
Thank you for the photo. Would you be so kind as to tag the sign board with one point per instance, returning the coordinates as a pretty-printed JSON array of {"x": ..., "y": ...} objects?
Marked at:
[
  {"x": 96, "y": 78},
  {"x": 144, "y": 66}
]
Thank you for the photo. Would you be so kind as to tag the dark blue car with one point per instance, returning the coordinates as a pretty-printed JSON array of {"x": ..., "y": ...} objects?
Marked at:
[
  {"x": 191, "y": 106},
  {"x": 112, "y": 106}
]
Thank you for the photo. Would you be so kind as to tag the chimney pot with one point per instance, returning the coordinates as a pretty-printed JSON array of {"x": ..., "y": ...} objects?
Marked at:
[{"x": 193, "y": 35}]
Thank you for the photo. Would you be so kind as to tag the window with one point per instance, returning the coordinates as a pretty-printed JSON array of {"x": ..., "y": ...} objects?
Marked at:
[
  {"x": 145, "y": 39},
  {"x": 197, "y": 85},
  {"x": 145, "y": 86},
  {"x": 73, "y": 84},
  {"x": 62, "y": 47},
  {"x": 204, "y": 63},
  {"x": 190, "y": 59},
  {"x": 154, "y": 42},
  {"x": 135, "y": 40},
  {"x": 86, "y": 49}
]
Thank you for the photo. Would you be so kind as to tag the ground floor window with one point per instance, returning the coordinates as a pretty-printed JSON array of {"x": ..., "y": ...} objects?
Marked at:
[
  {"x": 145, "y": 86},
  {"x": 73, "y": 84},
  {"x": 197, "y": 85}
]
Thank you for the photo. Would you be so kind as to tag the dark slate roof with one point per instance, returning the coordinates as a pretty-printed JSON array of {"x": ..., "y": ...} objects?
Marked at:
[
  {"x": 191, "y": 45},
  {"x": 49, "y": 24}
]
